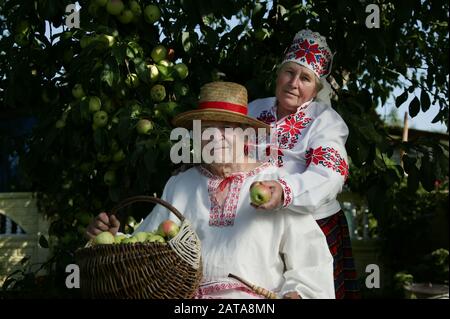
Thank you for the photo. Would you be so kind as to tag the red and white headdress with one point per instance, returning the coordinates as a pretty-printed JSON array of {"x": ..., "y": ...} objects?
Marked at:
[{"x": 311, "y": 50}]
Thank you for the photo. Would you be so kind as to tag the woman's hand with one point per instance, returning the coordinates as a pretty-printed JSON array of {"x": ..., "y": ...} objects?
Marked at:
[
  {"x": 277, "y": 198},
  {"x": 102, "y": 223}
]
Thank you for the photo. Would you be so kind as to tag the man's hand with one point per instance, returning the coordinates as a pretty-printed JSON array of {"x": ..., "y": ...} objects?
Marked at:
[
  {"x": 277, "y": 198},
  {"x": 102, "y": 223}
]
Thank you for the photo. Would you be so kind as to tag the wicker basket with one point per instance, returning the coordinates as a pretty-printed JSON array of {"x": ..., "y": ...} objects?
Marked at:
[{"x": 143, "y": 270}]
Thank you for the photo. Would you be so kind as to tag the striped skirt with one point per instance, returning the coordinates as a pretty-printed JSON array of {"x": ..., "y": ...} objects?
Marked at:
[{"x": 336, "y": 231}]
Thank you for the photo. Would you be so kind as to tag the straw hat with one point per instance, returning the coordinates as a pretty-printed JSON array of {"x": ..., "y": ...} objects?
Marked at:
[{"x": 223, "y": 102}]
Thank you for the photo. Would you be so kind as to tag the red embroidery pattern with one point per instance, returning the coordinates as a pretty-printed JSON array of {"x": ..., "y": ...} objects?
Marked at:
[
  {"x": 309, "y": 51},
  {"x": 290, "y": 130},
  {"x": 206, "y": 289},
  {"x": 328, "y": 157},
  {"x": 287, "y": 192},
  {"x": 224, "y": 216}
]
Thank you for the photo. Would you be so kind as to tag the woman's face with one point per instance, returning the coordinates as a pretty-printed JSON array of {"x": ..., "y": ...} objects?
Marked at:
[{"x": 296, "y": 85}]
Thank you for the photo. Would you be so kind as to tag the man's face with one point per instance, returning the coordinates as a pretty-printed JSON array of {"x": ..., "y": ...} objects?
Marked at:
[{"x": 222, "y": 140}]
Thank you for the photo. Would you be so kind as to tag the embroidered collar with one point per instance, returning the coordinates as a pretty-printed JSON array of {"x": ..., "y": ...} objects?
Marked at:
[
  {"x": 224, "y": 215},
  {"x": 205, "y": 172},
  {"x": 300, "y": 108}
]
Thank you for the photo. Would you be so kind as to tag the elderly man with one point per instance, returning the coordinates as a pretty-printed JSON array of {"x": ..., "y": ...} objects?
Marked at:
[{"x": 278, "y": 250}]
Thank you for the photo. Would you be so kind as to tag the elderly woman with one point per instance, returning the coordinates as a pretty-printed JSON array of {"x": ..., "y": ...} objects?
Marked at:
[
  {"x": 283, "y": 252},
  {"x": 311, "y": 140}
]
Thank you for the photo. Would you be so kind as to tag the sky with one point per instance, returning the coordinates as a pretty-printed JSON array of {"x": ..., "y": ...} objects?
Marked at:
[{"x": 421, "y": 121}]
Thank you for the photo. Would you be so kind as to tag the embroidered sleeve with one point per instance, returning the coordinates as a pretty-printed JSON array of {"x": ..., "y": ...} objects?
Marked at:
[
  {"x": 287, "y": 192},
  {"x": 327, "y": 157}
]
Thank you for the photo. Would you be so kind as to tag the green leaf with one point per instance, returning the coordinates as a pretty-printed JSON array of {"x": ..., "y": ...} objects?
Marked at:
[
  {"x": 414, "y": 107},
  {"x": 439, "y": 117},
  {"x": 424, "y": 101},
  {"x": 188, "y": 40},
  {"x": 413, "y": 180},
  {"x": 427, "y": 177},
  {"x": 409, "y": 163},
  {"x": 43, "y": 242},
  {"x": 119, "y": 54},
  {"x": 108, "y": 77},
  {"x": 101, "y": 140},
  {"x": 401, "y": 99},
  {"x": 142, "y": 71},
  {"x": 149, "y": 160}
]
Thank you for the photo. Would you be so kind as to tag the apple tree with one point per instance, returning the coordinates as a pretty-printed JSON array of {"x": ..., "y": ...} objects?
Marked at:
[{"x": 103, "y": 94}]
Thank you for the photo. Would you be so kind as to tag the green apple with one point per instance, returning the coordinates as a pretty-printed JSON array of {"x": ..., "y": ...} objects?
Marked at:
[
  {"x": 181, "y": 89},
  {"x": 135, "y": 7},
  {"x": 108, "y": 106},
  {"x": 101, "y": 3},
  {"x": 105, "y": 40},
  {"x": 85, "y": 41},
  {"x": 141, "y": 236},
  {"x": 261, "y": 34},
  {"x": 144, "y": 126},
  {"x": 152, "y": 13},
  {"x": 154, "y": 72},
  {"x": 92, "y": 9},
  {"x": 115, "y": 7},
  {"x": 129, "y": 240},
  {"x": 132, "y": 80},
  {"x": 119, "y": 156},
  {"x": 156, "y": 238},
  {"x": 182, "y": 70},
  {"x": 84, "y": 218},
  {"x": 135, "y": 111},
  {"x": 104, "y": 238},
  {"x": 158, "y": 93},
  {"x": 60, "y": 124},
  {"x": 100, "y": 118},
  {"x": 23, "y": 27},
  {"x": 126, "y": 16},
  {"x": 168, "y": 229},
  {"x": 94, "y": 104},
  {"x": 119, "y": 238},
  {"x": 109, "y": 178},
  {"x": 164, "y": 62},
  {"x": 260, "y": 193},
  {"x": 77, "y": 91},
  {"x": 158, "y": 53},
  {"x": 114, "y": 145},
  {"x": 103, "y": 158}
]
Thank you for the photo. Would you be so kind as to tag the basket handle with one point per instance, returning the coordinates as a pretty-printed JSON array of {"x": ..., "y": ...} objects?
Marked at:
[
  {"x": 149, "y": 199},
  {"x": 259, "y": 290}
]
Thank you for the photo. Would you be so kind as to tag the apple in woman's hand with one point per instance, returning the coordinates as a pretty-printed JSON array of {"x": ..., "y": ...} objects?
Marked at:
[{"x": 260, "y": 193}]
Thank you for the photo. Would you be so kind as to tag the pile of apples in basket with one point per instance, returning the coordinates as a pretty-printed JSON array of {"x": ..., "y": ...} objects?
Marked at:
[{"x": 166, "y": 231}]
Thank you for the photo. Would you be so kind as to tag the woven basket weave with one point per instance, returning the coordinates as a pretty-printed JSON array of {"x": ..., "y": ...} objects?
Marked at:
[{"x": 154, "y": 270}]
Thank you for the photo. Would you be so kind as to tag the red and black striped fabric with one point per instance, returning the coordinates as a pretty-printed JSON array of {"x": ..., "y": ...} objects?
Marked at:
[{"x": 346, "y": 282}]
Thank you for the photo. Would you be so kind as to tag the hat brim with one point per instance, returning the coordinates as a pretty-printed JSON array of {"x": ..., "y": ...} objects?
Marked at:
[{"x": 185, "y": 119}]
